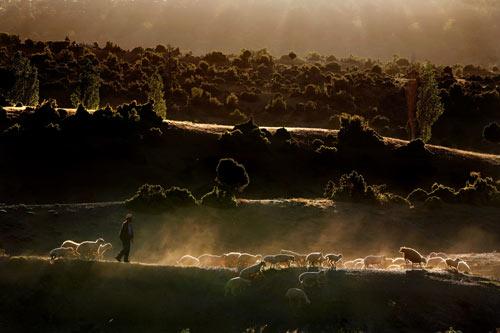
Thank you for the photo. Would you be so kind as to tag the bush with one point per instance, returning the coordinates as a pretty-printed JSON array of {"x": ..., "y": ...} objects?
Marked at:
[
  {"x": 417, "y": 195},
  {"x": 351, "y": 188},
  {"x": 491, "y": 132},
  {"x": 153, "y": 198},
  {"x": 354, "y": 134},
  {"x": 218, "y": 198},
  {"x": 231, "y": 175},
  {"x": 433, "y": 203}
]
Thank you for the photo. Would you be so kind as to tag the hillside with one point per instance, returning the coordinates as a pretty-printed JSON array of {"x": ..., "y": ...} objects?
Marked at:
[{"x": 110, "y": 297}]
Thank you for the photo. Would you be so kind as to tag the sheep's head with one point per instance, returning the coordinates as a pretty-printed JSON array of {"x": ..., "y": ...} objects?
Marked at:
[
  {"x": 402, "y": 249},
  {"x": 100, "y": 241},
  {"x": 258, "y": 256}
]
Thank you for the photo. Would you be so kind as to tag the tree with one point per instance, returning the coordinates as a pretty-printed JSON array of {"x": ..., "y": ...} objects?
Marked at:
[
  {"x": 429, "y": 106},
  {"x": 156, "y": 94},
  {"x": 26, "y": 84},
  {"x": 87, "y": 91}
]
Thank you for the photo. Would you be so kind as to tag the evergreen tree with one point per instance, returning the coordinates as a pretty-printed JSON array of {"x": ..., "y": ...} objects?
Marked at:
[
  {"x": 156, "y": 95},
  {"x": 26, "y": 86},
  {"x": 429, "y": 106},
  {"x": 87, "y": 91}
]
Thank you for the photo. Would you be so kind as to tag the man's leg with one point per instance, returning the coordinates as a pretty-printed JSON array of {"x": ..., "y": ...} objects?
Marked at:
[
  {"x": 126, "y": 250},
  {"x": 122, "y": 252}
]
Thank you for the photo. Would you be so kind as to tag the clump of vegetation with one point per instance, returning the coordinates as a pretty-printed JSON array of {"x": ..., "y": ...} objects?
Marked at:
[
  {"x": 355, "y": 134},
  {"x": 491, "y": 132},
  {"x": 154, "y": 198},
  {"x": 232, "y": 178},
  {"x": 429, "y": 106}
]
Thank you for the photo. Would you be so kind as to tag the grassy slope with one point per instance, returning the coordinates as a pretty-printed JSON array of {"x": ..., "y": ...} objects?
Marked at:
[{"x": 111, "y": 297}]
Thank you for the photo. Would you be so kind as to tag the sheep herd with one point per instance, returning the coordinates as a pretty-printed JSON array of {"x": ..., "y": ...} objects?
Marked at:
[
  {"x": 251, "y": 267},
  {"x": 84, "y": 250}
]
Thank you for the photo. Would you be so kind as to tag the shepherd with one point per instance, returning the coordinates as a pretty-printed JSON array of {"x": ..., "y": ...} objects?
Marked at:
[{"x": 127, "y": 237}]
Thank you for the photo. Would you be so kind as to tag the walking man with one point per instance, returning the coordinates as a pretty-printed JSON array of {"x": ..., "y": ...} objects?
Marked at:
[{"x": 127, "y": 237}]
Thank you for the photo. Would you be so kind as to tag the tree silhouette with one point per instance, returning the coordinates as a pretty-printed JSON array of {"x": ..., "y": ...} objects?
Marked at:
[
  {"x": 26, "y": 84},
  {"x": 156, "y": 95},
  {"x": 87, "y": 91},
  {"x": 429, "y": 106}
]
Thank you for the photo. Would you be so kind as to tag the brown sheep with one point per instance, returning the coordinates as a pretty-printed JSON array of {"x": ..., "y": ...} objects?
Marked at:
[{"x": 412, "y": 256}]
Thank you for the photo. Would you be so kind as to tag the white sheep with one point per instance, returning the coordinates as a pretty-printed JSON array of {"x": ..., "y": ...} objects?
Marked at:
[
  {"x": 399, "y": 261},
  {"x": 103, "y": 248},
  {"x": 349, "y": 264},
  {"x": 210, "y": 260},
  {"x": 188, "y": 261},
  {"x": 438, "y": 254},
  {"x": 62, "y": 252},
  {"x": 246, "y": 259},
  {"x": 70, "y": 243},
  {"x": 297, "y": 297},
  {"x": 332, "y": 259},
  {"x": 284, "y": 259},
  {"x": 231, "y": 259},
  {"x": 300, "y": 259},
  {"x": 88, "y": 249},
  {"x": 309, "y": 279},
  {"x": 370, "y": 261},
  {"x": 453, "y": 263},
  {"x": 436, "y": 262},
  {"x": 236, "y": 286},
  {"x": 253, "y": 271},
  {"x": 314, "y": 258},
  {"x": 359, "y": 265},
  {"x": 463, "y": 267},
  {"x": 393, "y": 267}
]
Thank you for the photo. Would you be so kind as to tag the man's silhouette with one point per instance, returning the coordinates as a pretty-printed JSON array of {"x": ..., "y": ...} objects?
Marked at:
[{"x": 127, "y": 237}]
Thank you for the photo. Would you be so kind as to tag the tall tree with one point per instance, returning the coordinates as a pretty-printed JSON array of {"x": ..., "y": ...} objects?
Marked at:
[
  {"x": 26, "y": 84},
  {"x": 87, "y": 91},
  {"x": 156, "y": 94},
  {"x": 429, "y": 106}
]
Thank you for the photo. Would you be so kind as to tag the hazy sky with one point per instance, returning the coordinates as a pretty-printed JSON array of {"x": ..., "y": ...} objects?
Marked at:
[{"x": 439, "y": 30}]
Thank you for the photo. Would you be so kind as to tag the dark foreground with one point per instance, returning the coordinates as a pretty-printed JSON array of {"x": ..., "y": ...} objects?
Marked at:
[{"x": 80, "y": 296}]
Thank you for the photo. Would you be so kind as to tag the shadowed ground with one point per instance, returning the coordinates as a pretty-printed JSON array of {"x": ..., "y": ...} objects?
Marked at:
[{"x": 110, "y": 297}]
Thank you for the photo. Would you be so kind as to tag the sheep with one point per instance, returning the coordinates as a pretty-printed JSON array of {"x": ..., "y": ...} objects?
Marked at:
[
  {"x": 314, "y": 258},
  {"x": 210, "y": 260},
  {"x": 399, "y": 261},
  {"x": 438, "y": 254},
  {"x": 463, "y": 267},
  {"x": 300, "y": 259},
  {"x": 188, "y": 261},
  {"x": 284, "y": 259},
  {"x": 62, "y": 252},
  {"x": 70, "y": 243},
  {"x": 372, "y": 260},
  {"x": 309, "y": 279},
  {"x": 332, "y": 259},
  {"x": 253, "y": 271},
  {"x": 349, "y": 264},
  {"x": 436, "y": 262},
  {"x": 236, "y": 285},
  {"x": 359, "y": 265},
  {"x": 88, "y": 249},
  {"x": 231, "y": 259},
  {"x": 246, "y": 259},
  {"x": 412, "y": 255},
  {"x": 102, "y": 249},
  {"x": 297, "y": 297},
  {"x": 393, "y": 267},
  {"x": 270, "y": 260},
  {"x": 453, "y": 263}
]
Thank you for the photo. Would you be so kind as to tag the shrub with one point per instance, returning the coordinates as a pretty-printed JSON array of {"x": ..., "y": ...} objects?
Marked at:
[
  {"x": 153, "y": 198},
  {"x": 433, "y": 202},
  {"x": 491, "y": 132},
  {"x": 218, "y": 198},
  {"x": 354, "y": 133},
  {"x": 231, "y": 175},
  {"x": 352, "y": 188},
  {"x": 277, "y": 105},
  {"x": 179, "y": 197},
  {"x": 417, "y": 195},
  {"x": 326, "y": 151}
]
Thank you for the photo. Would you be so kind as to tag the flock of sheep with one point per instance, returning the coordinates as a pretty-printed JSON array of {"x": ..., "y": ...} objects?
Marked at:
[
  {"x": 251, "y": 267},
  {"x": 84, "y": 250}
]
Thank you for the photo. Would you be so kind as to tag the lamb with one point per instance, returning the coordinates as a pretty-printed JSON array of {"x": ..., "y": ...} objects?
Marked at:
[
  {"x": 210, "y": 260},
  {"x": 314, "y": 258},
  {"x": 412, "y": 255},
  {"x": 309, "y": 279},
  {"x": 393, "y": 267},
  {"x": 70, "y": 243},
  {"x": 436, "y": 262},
  {"x": 236, "y": 286},
  {"x": 359, "y": 265},
  {"x": 62, "y": 252},
  {"x": 188, "y": 261},
  {"x": 438, "y": 254},
  {"x": 370, "y": 261},
  {"x": 88, "y": 249},
  {"x": 463, "y": 267},
  {"x": 453, "y": 263},
  {"x": 246, "y": 259},
  {"x": 332, "y": 259},
  {"x": 253, "y": 271},
  {"x": 297, "y": 297},
  {"x": 300, "y": 259},
  {"x": 349, "y": 264},
  {"x": 102, "y": 249}
]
